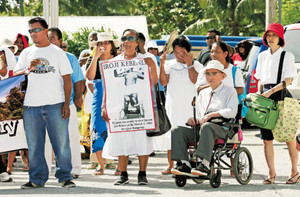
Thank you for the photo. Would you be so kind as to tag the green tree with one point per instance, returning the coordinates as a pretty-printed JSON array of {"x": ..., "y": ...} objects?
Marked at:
[
  {"x": 95, "y": 7},
  {"x": 78, "y": 41},
  {"x": 231, "y": 17},
  {"x": 290, "y": 12},
  {"x": 166, "y": 16}
]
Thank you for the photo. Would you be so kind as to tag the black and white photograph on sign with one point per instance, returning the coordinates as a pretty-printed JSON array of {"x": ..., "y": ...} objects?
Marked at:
[
  {"x": 133, "y": 107},
  {"x": 130, "y": 75},
  {"x": 128, "y": 95}
]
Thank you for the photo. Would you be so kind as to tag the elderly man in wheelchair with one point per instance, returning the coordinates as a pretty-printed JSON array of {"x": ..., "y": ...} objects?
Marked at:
[{"x": 217, "y": 101}]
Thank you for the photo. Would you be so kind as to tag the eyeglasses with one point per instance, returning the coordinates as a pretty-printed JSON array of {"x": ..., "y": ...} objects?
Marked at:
[
  {"x": 103, "y": 43},
  {"x": 129, "y": 38},
  {"x": 211, "y": 73},
  {"x": 151, "y": 48},
  {"x": 35, "y": 30},
  {"x": 210, "y": 37}
]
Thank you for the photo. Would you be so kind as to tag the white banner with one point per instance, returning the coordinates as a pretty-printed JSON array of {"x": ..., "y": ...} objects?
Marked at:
[
  {"x": 128, "y": 95},
  {"x": 12, "y": 135}
]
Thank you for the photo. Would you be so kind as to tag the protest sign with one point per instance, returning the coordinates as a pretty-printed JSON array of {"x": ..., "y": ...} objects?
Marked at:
[
  {"x": 128, "y": 95},
  {"x": 12, "y": 135}
]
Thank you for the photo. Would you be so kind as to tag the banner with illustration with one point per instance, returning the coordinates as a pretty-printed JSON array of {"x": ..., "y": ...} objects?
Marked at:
[
  {"x": 12, "y": 135},
  {"x": 128, "y": 95}
]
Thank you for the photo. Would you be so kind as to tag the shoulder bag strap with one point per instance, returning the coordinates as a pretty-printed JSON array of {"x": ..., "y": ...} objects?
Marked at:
[
  {"x": 280, "y": 67},
  {"x": 280, "y": 73},
  {"x": 234, "y": 68}
]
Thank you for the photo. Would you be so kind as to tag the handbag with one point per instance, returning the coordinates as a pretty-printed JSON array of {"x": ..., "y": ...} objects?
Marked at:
[
  {"x": 262, "y": 112},
  {"x": 287, "y": 123},
  {"x": 163, "y": 124}
]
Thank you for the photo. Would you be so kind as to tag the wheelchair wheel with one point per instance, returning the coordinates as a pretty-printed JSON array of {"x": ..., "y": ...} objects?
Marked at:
[
  {"x": 197, "y": 180},
  {"x": 180, "y": 182},
  {"x": 243, "y": 166},
  {"x": 215, "y": 180}
]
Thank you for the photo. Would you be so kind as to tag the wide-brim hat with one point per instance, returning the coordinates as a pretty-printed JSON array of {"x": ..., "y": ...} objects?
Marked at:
[
  {"x": 278, "y": 29},
  {"x": 214, "y": 64},
  {"x": 103, "y": 36},
  {"x": 8, "y": 43}
]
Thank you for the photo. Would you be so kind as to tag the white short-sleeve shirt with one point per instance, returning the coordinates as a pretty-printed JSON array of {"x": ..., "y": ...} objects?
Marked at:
[
  {"x": 45, "y": 82},
  {"x": 268, "y": 64}
]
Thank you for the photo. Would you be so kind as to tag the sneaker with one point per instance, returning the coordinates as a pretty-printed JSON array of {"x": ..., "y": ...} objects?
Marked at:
[
  {"x": 122, "y": 181},
  {"x": 30, "y": 185},
  {"x": 142, "y": 180},
  {"x": 200, "y": 170},
  {"x": 181, "y": 170},
  {"x": 4, "y": 177},
  {"x": 68, "y": 184}
]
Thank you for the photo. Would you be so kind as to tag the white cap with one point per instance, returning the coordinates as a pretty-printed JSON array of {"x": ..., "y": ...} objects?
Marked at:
[
  {"x": 103, "y": 36},
  {"x": 152, "y": 43},
  {"x": 214, "y": 64}
]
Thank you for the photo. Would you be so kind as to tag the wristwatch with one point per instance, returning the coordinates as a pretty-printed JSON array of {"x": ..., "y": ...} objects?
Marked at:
[{"x": 27, "y": 71}]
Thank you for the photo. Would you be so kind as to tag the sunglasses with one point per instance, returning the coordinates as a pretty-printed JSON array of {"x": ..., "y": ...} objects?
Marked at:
[
  {"x": 63, "y": 47},
  {"x": 210, "y": 37},
  {"x": 103, "y": 43},
  {"x": 129, "y": 38},
  {"x": 151, "y": 48},
  {"x": 35, "y": 30}
]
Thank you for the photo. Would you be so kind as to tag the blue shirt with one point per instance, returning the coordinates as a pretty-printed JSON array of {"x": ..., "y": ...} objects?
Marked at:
[{"x": 77, "y": 74}]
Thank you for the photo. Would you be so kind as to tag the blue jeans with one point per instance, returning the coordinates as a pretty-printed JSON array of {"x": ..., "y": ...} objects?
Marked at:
[{"x": 36, "y": 121}]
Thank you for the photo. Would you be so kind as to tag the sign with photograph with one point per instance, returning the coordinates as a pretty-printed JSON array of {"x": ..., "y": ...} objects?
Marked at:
[
  {"x": 128, "y": 95},
  {"x": 12, "y": 135}
]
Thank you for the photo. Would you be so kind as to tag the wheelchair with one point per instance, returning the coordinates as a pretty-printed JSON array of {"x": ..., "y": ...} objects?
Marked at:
[{"x": 230, "y": 147}]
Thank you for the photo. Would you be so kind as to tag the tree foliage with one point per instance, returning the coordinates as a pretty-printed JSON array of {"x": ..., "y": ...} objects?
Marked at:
[
  {"x": 166, "y": 16},
  {"x": 290, "y": 12},
  {"x": 231, "y": 17}
]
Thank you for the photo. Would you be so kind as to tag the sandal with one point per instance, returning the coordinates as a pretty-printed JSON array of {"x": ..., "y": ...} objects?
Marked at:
[
  {"x": 110, "y": 166},
  {"x": 25, "y": 169},
  {"x": 269, "y": 181},
  {"x": 99, "y": 171},
  {"x": 292, "y": 179},
  {"x": 93, "y": 166},
  {"x": 166, "y": 171},
  {"x": 117, "y": 172}
]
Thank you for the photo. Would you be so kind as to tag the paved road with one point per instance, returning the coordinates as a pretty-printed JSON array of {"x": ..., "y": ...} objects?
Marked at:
[{"x": 159, "y": 185}]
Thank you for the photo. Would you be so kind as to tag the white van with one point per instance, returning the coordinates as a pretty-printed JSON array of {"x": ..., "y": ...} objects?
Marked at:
[{"x": 292, "y": 44}]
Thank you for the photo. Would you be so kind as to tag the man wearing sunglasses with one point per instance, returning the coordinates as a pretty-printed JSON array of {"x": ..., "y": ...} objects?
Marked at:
[
  {"x": 46, "y": 105},
  {"x": 212, "y": 36}
]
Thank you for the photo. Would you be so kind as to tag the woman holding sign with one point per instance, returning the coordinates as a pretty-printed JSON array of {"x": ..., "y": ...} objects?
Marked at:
[{"x": 129, "y": 142}]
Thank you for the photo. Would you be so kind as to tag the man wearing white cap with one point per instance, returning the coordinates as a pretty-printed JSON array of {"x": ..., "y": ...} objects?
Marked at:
[{"x": 216, "y": 101}]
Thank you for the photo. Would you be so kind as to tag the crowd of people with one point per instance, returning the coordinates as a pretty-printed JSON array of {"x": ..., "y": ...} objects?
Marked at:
[{"x": 67, "y": 84}]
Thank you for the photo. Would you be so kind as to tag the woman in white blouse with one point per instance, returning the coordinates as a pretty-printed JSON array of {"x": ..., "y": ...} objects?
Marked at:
[{"x": 266, "y": 73}]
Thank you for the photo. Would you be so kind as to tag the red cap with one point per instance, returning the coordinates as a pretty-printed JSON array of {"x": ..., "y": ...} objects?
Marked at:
[{"x": 276, "y": 28}]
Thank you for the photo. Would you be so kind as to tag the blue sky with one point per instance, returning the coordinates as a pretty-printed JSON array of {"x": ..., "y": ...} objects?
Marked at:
[{"x": 7, "y": 84}]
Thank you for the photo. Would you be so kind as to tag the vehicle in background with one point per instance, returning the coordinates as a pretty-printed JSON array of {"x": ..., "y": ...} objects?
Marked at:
[
  {"x": 249, "y": 69},
  {"x": 292, "y": 44},
  {"x": 199, "y": 42}
]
